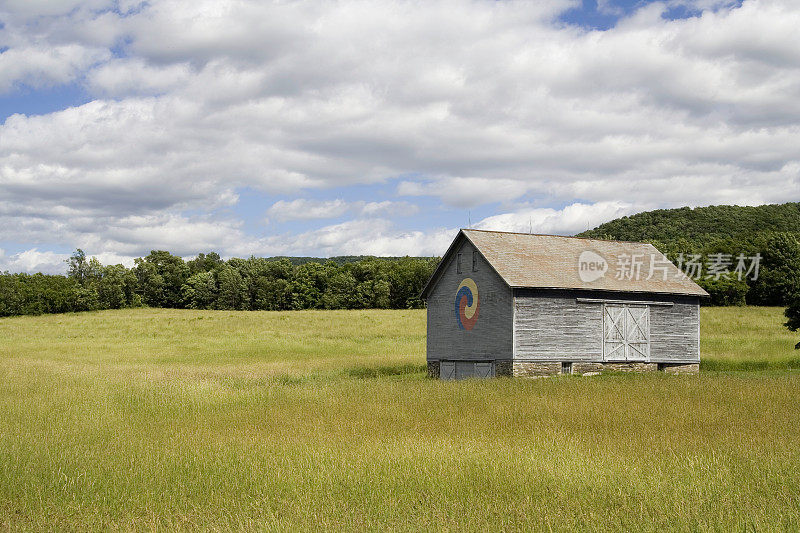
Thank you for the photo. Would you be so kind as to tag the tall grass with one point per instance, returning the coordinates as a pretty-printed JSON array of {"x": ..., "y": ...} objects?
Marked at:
[
  {"x": 746, "y": 338},
  {"x": 181, "y": 420}
]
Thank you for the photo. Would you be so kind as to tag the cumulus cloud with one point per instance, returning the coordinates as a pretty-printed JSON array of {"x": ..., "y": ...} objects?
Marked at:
[
  {"x": 48, "y": 262},
  {"x": 129, "y": 77},
  {"x": 457, "y": 104},
  {"x": 372, "y": 237},
  {"x": 37, "y": 66},
  {"x": 304, "y": 209},
  {"x": 33, "y": 261},
  {"x": 38, "y": 8},
  {"x": 572, "y": 219},
  {"x": 467, "y": 192}
]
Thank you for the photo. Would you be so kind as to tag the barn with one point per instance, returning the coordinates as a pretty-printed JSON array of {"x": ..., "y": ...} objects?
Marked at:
[{"x": 520, "y": 304}]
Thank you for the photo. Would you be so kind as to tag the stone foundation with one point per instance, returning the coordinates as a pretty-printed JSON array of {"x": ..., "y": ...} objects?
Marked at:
[
  {"x": 675, "y": 369},
  {"x": 586, "y": 369},
  {"x": 631, "y": 367},
  {"x": 503, "y": 369},
  {"x": 590, "y": 369},
  {"x": 535, "y": 369}
]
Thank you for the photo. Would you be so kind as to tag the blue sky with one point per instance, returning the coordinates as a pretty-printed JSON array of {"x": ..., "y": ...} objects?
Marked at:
[{"x": 315, "y": 128}]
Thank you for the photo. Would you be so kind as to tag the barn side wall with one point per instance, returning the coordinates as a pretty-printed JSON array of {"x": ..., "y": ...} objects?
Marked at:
[
  {"x": 552, "y": 325},
  {"x": 491, "y": 337}
]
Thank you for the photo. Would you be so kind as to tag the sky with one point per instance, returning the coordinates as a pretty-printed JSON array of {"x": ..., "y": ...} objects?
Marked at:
[{"x": 380, "y": 127}]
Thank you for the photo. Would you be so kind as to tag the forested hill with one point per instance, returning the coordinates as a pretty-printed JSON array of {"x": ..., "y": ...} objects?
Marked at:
[
  {"x": 701, "y": 223},
  {"x": 723, "y": 233}
]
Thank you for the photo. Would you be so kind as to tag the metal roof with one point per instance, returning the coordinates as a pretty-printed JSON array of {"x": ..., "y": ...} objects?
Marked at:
[{"x": 525, "y": 260}]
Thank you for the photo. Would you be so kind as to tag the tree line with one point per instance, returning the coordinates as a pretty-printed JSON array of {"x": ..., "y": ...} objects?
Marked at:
[
  {"x": 162, "y": 279},
  {"x": 207, "y": 282}
]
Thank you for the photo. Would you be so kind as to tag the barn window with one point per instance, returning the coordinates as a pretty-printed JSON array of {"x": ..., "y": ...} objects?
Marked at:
[
  {"x": 458, "y": 264},
  {"x": 566, "y": 368},
  {"x": 475, "y": 261}
]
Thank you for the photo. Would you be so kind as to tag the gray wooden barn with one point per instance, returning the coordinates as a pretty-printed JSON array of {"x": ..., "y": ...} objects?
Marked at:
[{"x": 519, "y": 304}]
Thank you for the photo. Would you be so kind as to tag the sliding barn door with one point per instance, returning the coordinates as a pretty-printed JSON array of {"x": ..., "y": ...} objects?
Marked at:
[
  {"x": 626, "y": 332},
  {"x": 638, "y": 333},
  {"x": 614, "y": 333}
]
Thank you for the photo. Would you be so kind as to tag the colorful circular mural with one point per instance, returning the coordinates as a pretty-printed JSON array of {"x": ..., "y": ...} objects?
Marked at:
[{"x": 467, "y": 304}]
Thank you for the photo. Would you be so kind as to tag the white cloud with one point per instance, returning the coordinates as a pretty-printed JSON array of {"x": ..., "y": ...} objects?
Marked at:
[
  {"x": 468, "y": 103},
  {"x": 304, "y": 209},
  {"x": 371, "y": 237},
  {"x": 48, "y": 262},
  {"x": 386, "y": 208},
  {"x": 36, "y": 66},
  {"x": 467, "y": 192},
  {"x": 185, "y": 236},
  {"x": 33, "y": 261},
  {"x": 569, "y": 220},
  {"x": 37, "y": 8},
  {"x": 125, "y": 77}
]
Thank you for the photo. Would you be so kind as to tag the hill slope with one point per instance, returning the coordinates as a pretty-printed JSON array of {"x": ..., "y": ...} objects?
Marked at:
[{"x": 701, "y": 223}]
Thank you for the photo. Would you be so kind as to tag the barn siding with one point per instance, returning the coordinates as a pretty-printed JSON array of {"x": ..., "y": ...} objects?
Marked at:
[
  {"x": 674, "y": 332},
  {"x": 557, "y": 327},
  {"x": 491, "y": 337},
  {"x": 553, "y": 325}
]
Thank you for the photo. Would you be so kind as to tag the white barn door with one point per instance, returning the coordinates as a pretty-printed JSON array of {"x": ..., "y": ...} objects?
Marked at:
[
  {"x": 638, "y": 333},
  {"x": 613, "y": 333},
  {"x": 626, "y": 332}
]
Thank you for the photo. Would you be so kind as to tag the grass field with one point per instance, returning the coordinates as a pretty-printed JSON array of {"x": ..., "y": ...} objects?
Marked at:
[
  {"x": 752, "y": 338},
  {"x": 184, "y": 420}
]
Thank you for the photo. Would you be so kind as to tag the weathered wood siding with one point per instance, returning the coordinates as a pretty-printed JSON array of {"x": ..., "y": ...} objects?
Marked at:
[
  {"x": 675, "y": 332},
  {"x": 491, "y": 336},
  {"x": 553, "y": 325},
  {"x": 557, "y": 327}
]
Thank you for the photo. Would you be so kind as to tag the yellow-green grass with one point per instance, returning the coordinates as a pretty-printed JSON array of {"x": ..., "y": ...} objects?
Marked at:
[
  {"x": 155, "y": 419},
  {"x": 747, "y": 338},
  {"x": 222, "y": 343}
]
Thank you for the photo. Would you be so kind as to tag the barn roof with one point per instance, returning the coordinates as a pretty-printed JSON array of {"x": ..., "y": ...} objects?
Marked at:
[{"x": 525, "y": 260}]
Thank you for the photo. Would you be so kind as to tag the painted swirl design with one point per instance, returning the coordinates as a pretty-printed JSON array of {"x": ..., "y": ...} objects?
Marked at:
[{"x": 467, "y": 304}]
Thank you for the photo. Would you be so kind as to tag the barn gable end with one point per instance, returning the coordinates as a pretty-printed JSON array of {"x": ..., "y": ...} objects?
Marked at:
[{"x": 489, "y": 338}]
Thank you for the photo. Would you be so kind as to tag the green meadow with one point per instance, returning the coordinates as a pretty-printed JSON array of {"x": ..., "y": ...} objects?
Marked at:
[{"x": 167, "y": 420}]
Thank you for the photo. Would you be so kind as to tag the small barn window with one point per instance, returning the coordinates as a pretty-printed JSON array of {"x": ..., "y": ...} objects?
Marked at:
[
  {"x": 458, "y": 264},
  {"x": 475, "y": 261},
  {"x": 566, "y": 368}
]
